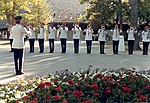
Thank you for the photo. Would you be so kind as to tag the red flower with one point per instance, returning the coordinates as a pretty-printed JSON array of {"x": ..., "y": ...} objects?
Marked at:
[
  {"x": 124, "y": 85},
  {"x": 96, "y": 94},
  {"x": 87, "y": 85},
  {"x": 101, "y": 76},
  {"x": 97, "y": 75},
  {"x": 58, "y": 89},
  {"x": 78, "y": 83},
  {"x": 65, "y": 101},
  {"x": 71, "y": 82},
  {"x": 77, "y": 93},
  {"x": 48, "y": 84},
  {"x": 33, "y": 101},
  {"x": 55, "y": 82},
  {"x": 142, "y": 98},
  {"x": 31, "y": 93},
  {"x": 94, "y": 83},
  {"x": 95, "y": 87},
  {"x": 106, "y": 78},
  {"x": 111, "y": 83},
  {"x": 120, "y": 75},
  {"x": 57, "y": 97},
  {"x": 49, "y": 97},
  {"x": 26, "y": 97},
  {"x": 42, "y": 85},
  {"x": 140, "y": 92},
  {"x": 129, "y": 73},
  {"x": 108, "y": 90},
  {"x": 126, "y": 89},
  {"x": 146, "y": 80},
  {"x": 86, "y": 79},
  {"x": 148, "y": 87}
]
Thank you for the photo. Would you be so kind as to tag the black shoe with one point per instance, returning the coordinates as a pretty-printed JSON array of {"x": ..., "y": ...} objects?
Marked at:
[
  {"x": 50, "y": 52},
  {"x": 40, "y": 52}
]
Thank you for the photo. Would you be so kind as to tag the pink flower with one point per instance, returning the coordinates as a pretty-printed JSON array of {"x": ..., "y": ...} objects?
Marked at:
[
  {"x": 77, "y": 93},
  {"x": 87, "y": 85},
  {"x": 111, "y": 83},
  {"x": 57, "y": 97},
  {"x": 108, "y": 90},
  {"x": 33, "y": 101},
  {"x": 48, "y": 97},
  {"x": 124, "y": 85},
  {"x": 71, "y": 82},
  {"x": 148, "y": 87},
  {"x": 126, "y": 89},
  {"x": 142, "y": 98},
  {"x": 65, "y": 101}
]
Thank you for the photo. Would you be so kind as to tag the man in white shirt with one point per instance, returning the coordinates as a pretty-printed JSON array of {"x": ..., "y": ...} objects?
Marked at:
[
  {"x": 131, "y": 39},
  {"x": 88, "y": 38},
  {"x": 63, "y": 37},
  {"x": 116, "y": 35},
  {"x": 51, "y": 37},
  {"x": 146, "y": 39},
  {"x": 76, "y": 37},
  {"x": 18, "y": 45},
  {"x": 102, "y": 38},
  {"x": 31, "y": 37}
]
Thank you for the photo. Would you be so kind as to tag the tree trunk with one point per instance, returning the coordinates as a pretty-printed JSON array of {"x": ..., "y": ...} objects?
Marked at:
[
  {"x": 134, "y": 19},
  {"x": 120, "y": 13}
]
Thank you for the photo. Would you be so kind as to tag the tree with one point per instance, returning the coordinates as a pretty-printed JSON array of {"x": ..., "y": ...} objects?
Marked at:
[{"x": 32, "y": 10}]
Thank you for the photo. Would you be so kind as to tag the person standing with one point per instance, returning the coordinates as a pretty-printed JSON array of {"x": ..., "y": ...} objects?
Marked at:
[
  {"x": 146, "y": 40},
  {"x": 51, "y": 37},
  {"x": 63, "y": 37},
  {"x": 10, "y": 38},
  {"x": 18, "y": 45},
  {"x": 76, "y": 37},
  {"x": 41, "y": 37},
  {"x": 116, "y": 35},
  {"x": 102, "y": 38},
  {"x": 88, "y": 38},
  {"x": 131, "y": 39},
  {"x": 31, "y": 37}
]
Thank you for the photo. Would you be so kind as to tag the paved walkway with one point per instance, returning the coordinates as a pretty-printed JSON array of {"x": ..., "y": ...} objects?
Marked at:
[{"x": 41, "y": 64}]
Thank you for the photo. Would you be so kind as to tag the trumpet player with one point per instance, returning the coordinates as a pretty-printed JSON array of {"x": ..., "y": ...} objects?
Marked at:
[
  {"x": 88, "y": 38},
  {"x": 76, "y": 37},
  {"x": 41, "y": 37},
  {"x": 31, "y": 37},
  {"x": 51, "y": 37},
  {"x": 63, "y": 37},
  {"x": 102, "y": 38},
  {"x": 146, "y": 40},
  {"x": 116, "y": 34},
  {"x": 131, "y": 32}
]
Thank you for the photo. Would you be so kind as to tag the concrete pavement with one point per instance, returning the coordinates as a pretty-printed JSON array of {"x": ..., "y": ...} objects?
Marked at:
[{"x": 42, "y": 64}]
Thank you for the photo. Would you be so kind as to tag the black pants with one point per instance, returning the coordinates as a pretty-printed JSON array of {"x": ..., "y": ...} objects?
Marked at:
[
  {"x": 89, "y": 45},
  {"x": 63, "y": 45},
  {"x": 115, "y": 46},
  {"x": 51, "y": 45},
  {"x": 130, "y": 46},
  {"x": 102, "y": 46},
  {"x": 76, "y": 45},
  {"x": 11, "y": 40},
  {"x": 41, "y": 45},
  {"x": 31, "y": 41},
  {"x": 18, "y": 55},
  {"x": 145, "y": 48}
]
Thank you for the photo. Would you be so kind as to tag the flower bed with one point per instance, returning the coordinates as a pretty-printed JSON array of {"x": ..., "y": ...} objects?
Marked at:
[{"x": 90, "y": 86}]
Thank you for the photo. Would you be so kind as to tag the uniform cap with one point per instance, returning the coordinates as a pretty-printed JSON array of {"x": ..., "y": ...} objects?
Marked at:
[{"x": 18, "y": 18}]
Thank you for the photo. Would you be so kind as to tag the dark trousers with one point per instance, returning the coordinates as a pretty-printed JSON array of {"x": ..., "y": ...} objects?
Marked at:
[
  {"x": 11, "y": 40},
  {"x": 51, "y": 45},
  {"x": 31, "y": 42},
  {"x": 89, "y": 45},
  {"x": 130, "y": 46},
  {"x": 76, "y": 45},
  {"x": 145, "y": 48},
  {"x": 115, "y": 46},
  {"x": 41, "y": 45},
  {"x": 63, "y": 45},
  {"x": 18, "y": 55},
  {"x": 102, "y": 46}
]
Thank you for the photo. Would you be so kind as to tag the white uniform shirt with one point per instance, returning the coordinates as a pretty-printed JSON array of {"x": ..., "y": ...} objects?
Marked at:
[
  {"x": 88, "y": 35},
  {"x": 116, "y": 34},
  {"x": 51, "y": 33},
  {"x": 41, "y": 34},
  {"x": 131, "y": 34},
  {"x": 102, "y": 35},
  {"x": 63, "y": 32},
  {"x": 145, "y": 36},
  {"x": 31, "y": 33},
  {"x": 18, "y": 36},
  {"x": 76, "y": 32}
]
